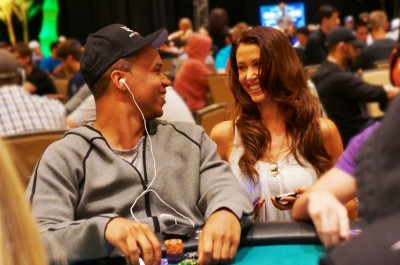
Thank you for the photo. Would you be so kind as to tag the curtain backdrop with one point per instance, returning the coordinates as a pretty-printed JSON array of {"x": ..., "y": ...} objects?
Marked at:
[{"x": 78, "y": 18}]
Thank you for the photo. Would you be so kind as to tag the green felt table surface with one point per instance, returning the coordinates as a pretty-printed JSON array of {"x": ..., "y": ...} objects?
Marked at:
[{"x": 290, "y": 254}]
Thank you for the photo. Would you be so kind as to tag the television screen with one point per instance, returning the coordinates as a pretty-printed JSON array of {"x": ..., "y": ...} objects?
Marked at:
[{"x": 269, "y": 14}]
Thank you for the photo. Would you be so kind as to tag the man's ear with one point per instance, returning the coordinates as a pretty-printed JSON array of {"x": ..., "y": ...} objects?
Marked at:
[{"x": 116, "y": 76}]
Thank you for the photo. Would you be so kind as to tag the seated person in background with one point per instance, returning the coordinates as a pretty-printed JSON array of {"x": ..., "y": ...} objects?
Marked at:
[
  {"x": 191, "y": 79},
  {"x": 349, "y": 22},
  {"x": 302, "y": 38},
  {"x": 19, "y": 239},
  {"x": 361, "y": 32},
  {"x": 181, "y": 36},
  {"x": 315, "y": 51},
  {"x": 382, "y": 46},
  {"x": 35, "y": 80},
  {"x": 36, "y": 50},
  {"x": 119, "y": 186},
  {"x": 19, "y": 110},
  {"x": 278, "y": 140},
  {"x": 342, "y": 93},
  {"x": 51, "y": 62},
  {"x": 83, "y": 111},
  {"x": 73, "y": 103},
  {"x": 70, "y": 53},
  {"x": 222, "y": 57}
]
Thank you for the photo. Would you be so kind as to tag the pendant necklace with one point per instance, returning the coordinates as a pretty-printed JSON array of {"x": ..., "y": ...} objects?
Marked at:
[{"x": 273, "y": 166}]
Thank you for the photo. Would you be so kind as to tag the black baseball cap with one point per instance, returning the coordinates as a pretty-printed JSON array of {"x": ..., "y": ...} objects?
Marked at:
[
  {"x": 342, "y": 34},
  {"x": 111, "y": 43}
]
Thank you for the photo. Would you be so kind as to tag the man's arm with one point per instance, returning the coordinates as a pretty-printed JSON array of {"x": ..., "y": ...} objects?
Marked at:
[
  {"x": 323, "y": 201},
  {"x": 220, "y": 238},
  {"x": 226, "y": 204},
  {"x": 323, "y": 204}
]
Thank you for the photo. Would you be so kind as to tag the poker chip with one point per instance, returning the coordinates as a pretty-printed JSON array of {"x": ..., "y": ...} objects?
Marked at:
[
  {"x": 190, "y": 255},
  {"x": 188, "y": 262},
  {"x": 174, "y": 250}
]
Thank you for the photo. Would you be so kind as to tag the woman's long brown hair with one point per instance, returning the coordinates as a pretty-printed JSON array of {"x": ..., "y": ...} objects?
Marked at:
[{"x": 283, "y": 77}]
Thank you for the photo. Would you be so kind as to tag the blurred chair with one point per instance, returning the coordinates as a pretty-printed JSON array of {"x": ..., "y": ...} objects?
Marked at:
[
  {"x": 61, "y": 86},
  {"x": 211, "y": 67},
  {"x": 377, "y": 76},
  {"x": 221, "y": 92},
  {"x": 210, "y": 116},
  {"x": 381, "y": 64},
  {"x": 25, "y": 149},
  {"x": 310, "y": 69}
]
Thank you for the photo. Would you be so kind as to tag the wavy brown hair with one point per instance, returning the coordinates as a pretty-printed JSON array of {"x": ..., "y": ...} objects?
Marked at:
[{"x": 283, "y": 77}]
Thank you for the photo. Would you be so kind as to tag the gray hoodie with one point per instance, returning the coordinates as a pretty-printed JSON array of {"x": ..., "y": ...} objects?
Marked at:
[{"x": 79, "y": 185}]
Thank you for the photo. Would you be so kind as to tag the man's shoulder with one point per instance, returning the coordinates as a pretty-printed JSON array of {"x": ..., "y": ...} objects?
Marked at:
[
  {"x": 170, "y": 129},
  {"x": 79, "y": 137},
  {"x": 316, "y": 35}
]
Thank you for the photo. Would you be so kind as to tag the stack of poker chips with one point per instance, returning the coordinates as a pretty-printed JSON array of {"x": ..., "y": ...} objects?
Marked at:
[{"x": 174, "y": 249}]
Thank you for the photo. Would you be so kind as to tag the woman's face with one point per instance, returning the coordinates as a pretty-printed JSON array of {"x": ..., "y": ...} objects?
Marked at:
[{"x": 248, "y": 61}]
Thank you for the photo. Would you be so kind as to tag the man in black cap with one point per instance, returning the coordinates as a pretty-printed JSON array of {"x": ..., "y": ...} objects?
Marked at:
[
  {"x": 113, "y": 183},
  {"x": 342, "y": 93}
]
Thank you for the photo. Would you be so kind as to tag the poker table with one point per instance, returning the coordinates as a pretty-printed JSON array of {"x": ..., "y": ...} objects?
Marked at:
[{"x": 263, "y": 243}]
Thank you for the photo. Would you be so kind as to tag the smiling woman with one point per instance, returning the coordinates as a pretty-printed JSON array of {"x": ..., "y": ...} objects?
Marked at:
[{"x": 277, "y": 141}]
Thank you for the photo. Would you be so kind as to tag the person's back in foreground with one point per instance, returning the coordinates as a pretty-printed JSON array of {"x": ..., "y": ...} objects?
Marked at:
[{"x": 119, "y": 179}]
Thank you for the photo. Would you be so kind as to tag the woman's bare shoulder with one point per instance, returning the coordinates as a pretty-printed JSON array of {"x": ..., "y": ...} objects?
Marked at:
[{"x": 223, "y": 132}]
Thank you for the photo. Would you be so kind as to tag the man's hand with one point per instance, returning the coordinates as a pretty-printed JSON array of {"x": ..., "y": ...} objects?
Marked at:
[
  {"x": 329, "y": 217},
  {"x": 134, "y": 239},
  {"x": 220, "y": 238}
]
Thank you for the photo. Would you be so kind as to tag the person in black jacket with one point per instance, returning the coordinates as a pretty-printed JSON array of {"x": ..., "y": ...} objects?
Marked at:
[{"x": 341, "y": 92}]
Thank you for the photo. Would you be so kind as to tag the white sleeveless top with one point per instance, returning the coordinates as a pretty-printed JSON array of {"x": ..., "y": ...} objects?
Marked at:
[{"x": 290, "y": 176}]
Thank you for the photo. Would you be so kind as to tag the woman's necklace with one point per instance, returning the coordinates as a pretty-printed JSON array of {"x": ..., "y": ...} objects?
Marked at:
[{"x": 273, "y": 166}]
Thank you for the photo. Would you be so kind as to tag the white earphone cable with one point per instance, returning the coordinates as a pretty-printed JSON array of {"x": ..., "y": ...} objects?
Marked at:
[{"x": 154, "y": 166}]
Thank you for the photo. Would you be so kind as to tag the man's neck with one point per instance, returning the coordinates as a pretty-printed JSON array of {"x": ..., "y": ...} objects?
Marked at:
[
  {"x": 336, "y": 59},
  {"x": 324, "y": 29},
  {"x": 378, "y": 34},
  {"x": 120, "y": 133}
]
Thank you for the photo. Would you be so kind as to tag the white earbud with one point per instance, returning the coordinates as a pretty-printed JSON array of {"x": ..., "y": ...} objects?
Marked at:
[{"x": 122, "y": 81}]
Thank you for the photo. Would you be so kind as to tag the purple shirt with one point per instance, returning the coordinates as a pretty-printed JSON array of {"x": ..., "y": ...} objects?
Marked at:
[{"x": 346, "y": 161}]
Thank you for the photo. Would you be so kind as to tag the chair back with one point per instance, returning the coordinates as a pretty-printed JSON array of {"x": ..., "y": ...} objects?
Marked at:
[
  {"x": 61, "y": 86},
  {"x": 382, "y": 64},
  {"x": 377, "y": 76},
  {"x": 220, "y": 91},
  {"x": 311, "y": 69},
  {"x": 210, "y": 116},
  {"x": 25, "y": 149}
]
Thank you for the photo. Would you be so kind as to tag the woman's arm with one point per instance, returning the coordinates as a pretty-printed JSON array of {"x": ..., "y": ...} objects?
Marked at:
[
  {"x": 331, "y": 138},
  {"x": 223, "y": 135}
]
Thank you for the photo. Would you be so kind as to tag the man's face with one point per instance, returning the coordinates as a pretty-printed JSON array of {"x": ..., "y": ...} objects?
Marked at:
[
  {"x": 302, "y": 38},
  {"x": 333, "y": 22},
  {"x": 362, "y": 34},
  {"x": 148, "y": 83},
  {"x": 23, "y": 61},
  {"x": 350, "y": 52}
]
